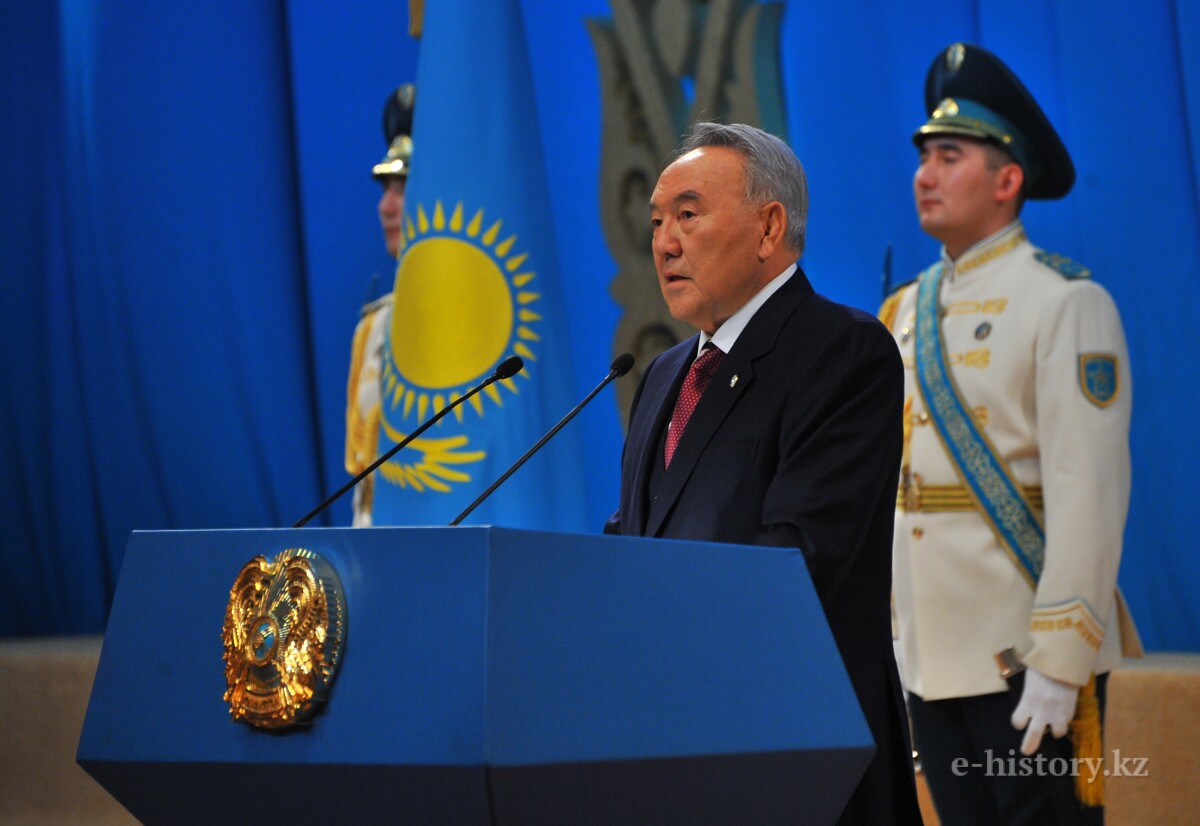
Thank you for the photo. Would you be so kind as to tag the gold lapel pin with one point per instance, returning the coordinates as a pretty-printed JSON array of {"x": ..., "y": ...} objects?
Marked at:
[{"x": 733, "y": 380}]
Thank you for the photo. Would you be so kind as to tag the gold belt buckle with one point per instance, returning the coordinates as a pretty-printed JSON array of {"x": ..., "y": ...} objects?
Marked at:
[{"x": 912, "y": 490}]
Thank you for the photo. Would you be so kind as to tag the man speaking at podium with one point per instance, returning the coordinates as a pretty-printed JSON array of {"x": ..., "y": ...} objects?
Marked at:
[{"x": 778, "y": 424}]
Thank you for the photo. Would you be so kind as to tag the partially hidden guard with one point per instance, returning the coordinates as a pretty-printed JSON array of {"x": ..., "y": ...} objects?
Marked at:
[
  {"x": 1015, "y": 474},
  {"x": 363, "y": 388}
]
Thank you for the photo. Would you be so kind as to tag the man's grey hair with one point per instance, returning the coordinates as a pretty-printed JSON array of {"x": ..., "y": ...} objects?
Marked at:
[{"x": 773, "y": 172}]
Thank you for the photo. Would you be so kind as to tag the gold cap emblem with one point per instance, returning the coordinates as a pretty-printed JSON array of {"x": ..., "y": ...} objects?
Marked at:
[
  {"x": 955, "y": 55},
  {"x": 948, "y": 108}
]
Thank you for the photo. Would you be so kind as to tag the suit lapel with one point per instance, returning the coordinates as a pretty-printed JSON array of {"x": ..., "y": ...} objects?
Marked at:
[
  {"x": 722, "y": 395},
  {"x": 659, "y": 396}
]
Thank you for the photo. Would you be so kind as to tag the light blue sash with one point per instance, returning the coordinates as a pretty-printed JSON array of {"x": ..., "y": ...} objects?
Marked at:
[{"x": 975, "y": 459}]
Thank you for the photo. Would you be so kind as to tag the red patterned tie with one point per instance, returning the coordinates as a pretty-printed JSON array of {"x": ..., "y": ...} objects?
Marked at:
[{"x": 697, "y": 379}]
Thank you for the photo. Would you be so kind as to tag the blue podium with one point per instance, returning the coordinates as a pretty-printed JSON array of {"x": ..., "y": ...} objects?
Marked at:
[{"x": 490, "y": 676}]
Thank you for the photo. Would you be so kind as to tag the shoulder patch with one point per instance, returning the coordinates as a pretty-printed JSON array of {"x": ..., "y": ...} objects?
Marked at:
[
  {"x": 1062, "y": 265},
  {"x": 1099, "y": 378}
]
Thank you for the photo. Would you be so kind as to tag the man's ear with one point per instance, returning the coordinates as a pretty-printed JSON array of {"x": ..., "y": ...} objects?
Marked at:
[
  {"x": 773, "y": 223},
  {"x": 1009, "y": 180}
]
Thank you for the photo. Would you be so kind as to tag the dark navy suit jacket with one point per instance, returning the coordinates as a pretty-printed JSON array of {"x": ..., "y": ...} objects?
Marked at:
[{"x": 795, "y": 443}]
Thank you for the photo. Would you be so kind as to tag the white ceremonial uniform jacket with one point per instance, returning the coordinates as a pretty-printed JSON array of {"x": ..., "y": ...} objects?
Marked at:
[
  {"x": 1017, "y": 334},
  {"x": 364, "y": 401}
]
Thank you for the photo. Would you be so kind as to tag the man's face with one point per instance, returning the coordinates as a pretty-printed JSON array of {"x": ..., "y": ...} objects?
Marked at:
[
  {"x": 391, "y": 207},
  {"x": 956, "y": 193},
  {"x": 705, "y": 237}
]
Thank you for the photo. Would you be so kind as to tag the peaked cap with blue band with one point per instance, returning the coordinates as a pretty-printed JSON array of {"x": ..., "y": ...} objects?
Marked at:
[{"x": 969, "y": 91}]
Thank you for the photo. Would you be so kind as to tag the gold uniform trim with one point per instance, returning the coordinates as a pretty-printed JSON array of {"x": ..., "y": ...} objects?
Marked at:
[
  {"x": 991, "y": 306},
  {"x": 915, "y": 497},
  {"x": 990, "y": 253},
  {"x": 979, "y": 359},
  {"x": 1074, "y": 616}
]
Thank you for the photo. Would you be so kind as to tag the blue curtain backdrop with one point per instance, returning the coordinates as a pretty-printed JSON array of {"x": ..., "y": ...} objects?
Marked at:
[{"x": 187, "y": 230}]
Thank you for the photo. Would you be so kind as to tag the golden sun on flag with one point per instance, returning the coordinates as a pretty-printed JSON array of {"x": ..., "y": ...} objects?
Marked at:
[{"x": 462, "y": 303}]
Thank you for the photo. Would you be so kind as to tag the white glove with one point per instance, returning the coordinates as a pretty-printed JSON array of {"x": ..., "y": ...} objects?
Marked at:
[{"x": 1045, "y": 701}]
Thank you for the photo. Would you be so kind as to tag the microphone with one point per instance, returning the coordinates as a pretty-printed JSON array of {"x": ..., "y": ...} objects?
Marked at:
[
  {"x": 620, "y": 367},
  {"x": 504, "y": 370}
]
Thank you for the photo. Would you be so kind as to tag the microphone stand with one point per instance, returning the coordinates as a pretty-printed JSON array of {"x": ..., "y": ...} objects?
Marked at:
[
  {"x": 506, "y": 369},
  {"x": 619, "y": 368}
]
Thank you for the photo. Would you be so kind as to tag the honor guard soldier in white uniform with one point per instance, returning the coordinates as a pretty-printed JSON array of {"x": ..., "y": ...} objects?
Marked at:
[
  {"x": 1015, "y": 472},
  {"x": 363, "y": 392}
]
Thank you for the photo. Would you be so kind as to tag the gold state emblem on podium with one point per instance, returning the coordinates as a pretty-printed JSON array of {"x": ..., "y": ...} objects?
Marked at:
[{"x": 285, "y": 629}]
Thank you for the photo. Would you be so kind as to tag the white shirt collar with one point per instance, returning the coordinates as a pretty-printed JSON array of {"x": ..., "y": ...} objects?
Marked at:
[{"x": 727, "y": 334}]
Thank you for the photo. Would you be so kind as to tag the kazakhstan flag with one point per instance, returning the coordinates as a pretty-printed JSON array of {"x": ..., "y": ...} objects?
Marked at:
[{"x": 476, "y": 283}]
